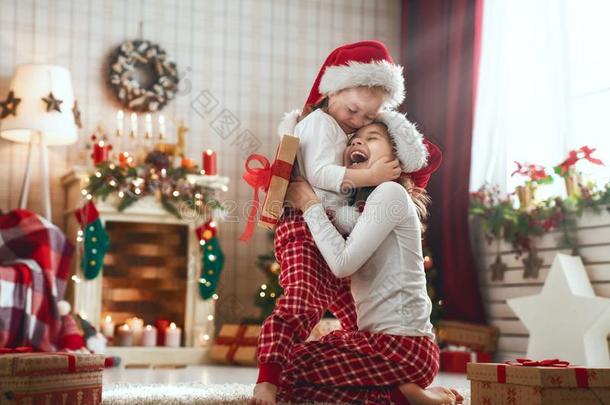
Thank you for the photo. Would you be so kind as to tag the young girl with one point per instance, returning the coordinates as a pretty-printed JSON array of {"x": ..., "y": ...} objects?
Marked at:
[
  {"x": 355, "y": 83},
  {"x": 394, "y": 347}
]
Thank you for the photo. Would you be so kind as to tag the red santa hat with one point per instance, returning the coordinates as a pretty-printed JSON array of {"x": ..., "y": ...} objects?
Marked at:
[
  {"x": 364, "y": 63},
  {"x": 435, "y": 158}
]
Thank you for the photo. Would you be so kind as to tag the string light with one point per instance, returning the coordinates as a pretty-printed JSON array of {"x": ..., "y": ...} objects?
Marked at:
[
  {"x": 76, "y": 279},
  {"x": 98, "y": 174},
  {"x": 264, "y": 287},
  {"x": 89, "y": 196},
  {"x": 215, "y": 296},
  {"x": 176, "y": 193},
  {"x": 202, "y": 242},
  {"x": 210, "y": 317},
  {"x": 262, "y": 294},
  {"x": 206, "y": 337},
  {"x": 83, "y": 192},
  {"x": 212, "y": 258}
]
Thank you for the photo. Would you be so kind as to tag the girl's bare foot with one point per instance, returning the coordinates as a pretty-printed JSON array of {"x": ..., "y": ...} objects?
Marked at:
[
  {"x": 430, "y": 396},
  {"x": 264, "y": 394}
]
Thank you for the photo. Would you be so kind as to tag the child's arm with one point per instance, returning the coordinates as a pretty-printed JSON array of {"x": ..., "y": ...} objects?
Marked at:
[
  {"x": 319, "y": 161},
  {"x": 385, "y": 208},
  {"x": 317, "y": 147},
  {"x": 380, "y": 171}
]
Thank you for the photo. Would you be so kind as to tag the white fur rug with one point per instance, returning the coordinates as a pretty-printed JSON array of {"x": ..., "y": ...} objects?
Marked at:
[{"x": 183, "y": 394}]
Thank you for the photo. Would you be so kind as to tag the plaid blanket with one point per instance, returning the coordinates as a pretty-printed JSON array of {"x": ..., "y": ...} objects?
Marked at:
[{"x": 34, "y": 266}]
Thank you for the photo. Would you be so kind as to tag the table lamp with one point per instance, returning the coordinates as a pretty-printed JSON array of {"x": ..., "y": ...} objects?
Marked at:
[{"x": 40, "y": 110}]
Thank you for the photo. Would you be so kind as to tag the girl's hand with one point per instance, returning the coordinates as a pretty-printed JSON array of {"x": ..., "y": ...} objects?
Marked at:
[
  {"x": 385, "y": 169},
  {"x": 300, "y": 194}
]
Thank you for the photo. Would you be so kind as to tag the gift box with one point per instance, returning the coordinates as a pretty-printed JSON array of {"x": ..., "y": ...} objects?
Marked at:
[
  {"x": 273, "y": 179},
  {"x": 482, "y": 338},
  {"x": 520, "y": 383},
  {"x": 236, "y": 344},
  {"x": 455, "y": 358},
  {"x": 51, "y": 378}
]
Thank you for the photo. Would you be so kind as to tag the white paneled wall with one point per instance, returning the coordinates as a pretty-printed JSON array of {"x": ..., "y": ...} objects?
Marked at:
[{"x": 257, "y": 58}]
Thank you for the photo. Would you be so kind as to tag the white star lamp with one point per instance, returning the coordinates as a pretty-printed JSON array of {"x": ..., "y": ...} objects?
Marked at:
[
  {"x": 566, "y": 320},
  {"x": 34, "y": 125}
]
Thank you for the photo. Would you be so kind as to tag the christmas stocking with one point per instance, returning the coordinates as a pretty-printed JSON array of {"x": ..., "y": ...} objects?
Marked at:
[
  {"x": 212, "y": 259},
  {"x": 95, "y": 240}
]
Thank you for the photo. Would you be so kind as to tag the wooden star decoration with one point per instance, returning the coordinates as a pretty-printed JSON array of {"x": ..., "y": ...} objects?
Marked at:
[
  {"x": 76, "y": 113},
  {"x": 9, "y": 106},
  {"x": 498, "y": 269},
  {"x": 52, "y": 103},
  {"x": 532, "y": 265},
  {"x": 566, "y": 320}
]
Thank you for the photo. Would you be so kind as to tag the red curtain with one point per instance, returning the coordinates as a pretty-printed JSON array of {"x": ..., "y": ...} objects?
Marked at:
[{"x": 438, "y": 51}]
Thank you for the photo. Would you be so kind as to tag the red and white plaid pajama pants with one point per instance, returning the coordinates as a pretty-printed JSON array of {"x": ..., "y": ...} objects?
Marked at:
[
  {"x": 358, "y": 367},
  {"x": 310, "y": 289},
  {"x": 345, "y": 366}
]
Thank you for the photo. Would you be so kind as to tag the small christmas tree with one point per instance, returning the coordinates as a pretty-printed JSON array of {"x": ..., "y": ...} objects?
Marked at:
[
  {"x": 431, "y": 281},
  {"x": 270, "y": 290}
]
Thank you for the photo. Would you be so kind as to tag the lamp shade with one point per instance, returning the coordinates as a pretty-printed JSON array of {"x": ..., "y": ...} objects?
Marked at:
[{"x": 31, "y": 84}]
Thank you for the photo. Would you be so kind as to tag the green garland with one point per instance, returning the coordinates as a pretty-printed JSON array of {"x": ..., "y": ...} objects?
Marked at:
[
  {"x": 169, "y": 185},
  {"x": 501, "y": 220}
]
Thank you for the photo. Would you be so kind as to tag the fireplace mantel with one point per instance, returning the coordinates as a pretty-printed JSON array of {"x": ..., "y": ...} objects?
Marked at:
[{"x": 86, "y": 295}]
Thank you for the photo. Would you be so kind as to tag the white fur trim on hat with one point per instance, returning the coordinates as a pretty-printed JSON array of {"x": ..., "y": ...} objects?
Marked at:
[
  {"x": 409, "y": 142},
  {"x": 354, "y": 74},
  {"x": 288, "y": 123}
]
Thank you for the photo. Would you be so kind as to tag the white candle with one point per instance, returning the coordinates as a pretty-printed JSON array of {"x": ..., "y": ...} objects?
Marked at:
[
  {"x": 172, "y": 336},
  {"x": 108, "y": 327},
  {"x": 148, "y": 123},
  {"x": 134, "y": 125},
  {"x": 136, "y": 325},
  {"x": 161, "y": 126},
  {"x": 119, "y": 123},
  {"x": 124, "y": 336},
  {"x": 149, "y": 336}
]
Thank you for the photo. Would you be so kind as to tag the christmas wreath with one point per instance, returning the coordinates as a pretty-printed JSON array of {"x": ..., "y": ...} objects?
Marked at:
[{"x": 142, "y": 76}]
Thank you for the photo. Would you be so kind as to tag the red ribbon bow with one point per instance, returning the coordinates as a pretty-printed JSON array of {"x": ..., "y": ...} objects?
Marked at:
[
  {"x": 542, "y": 363},
  {"x": 256, "y": 178},
  {"x": 580, "y": 373}
]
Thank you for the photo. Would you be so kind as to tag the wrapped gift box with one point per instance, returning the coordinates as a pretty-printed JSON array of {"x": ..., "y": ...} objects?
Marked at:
[
  {"x": 477, "y": 337},
  {"x": 51, "y": 378},
  {"x": 508, "y": 384},
  {"x": 281, "y": 168},
  {"x": 236, "y": 344},
  {"x": 455, "y": 358}
]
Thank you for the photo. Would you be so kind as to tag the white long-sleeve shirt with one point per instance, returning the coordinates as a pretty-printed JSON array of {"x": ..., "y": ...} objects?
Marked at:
[
  {"x": 320, "y": 156},
  {"x": 383, "y": 256}
]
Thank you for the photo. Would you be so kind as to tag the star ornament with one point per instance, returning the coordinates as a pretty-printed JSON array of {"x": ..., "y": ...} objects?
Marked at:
[
  {"x": 53, "y": 104},
  {"x": 9, "y": 106},
  {"x": 566, "y": 320}
]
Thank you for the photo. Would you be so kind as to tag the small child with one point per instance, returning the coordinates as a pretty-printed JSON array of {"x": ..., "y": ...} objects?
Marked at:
[{"x": 355, "y": 83}]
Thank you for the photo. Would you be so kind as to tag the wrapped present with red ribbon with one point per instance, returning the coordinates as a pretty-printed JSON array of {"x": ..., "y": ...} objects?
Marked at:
[
  {"x": 236, "y": 344},
  {"x": 50, "y": 378},
  {"x": 528, "y": 382},
  {"x": 272, "y": 179},
  {"x": 455, "y": 358}
]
